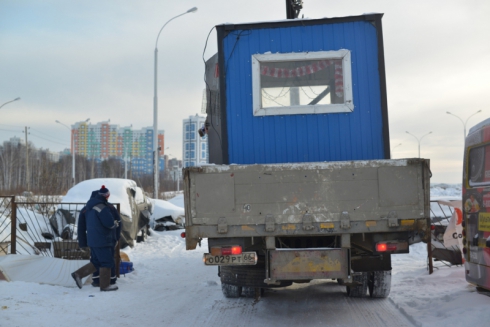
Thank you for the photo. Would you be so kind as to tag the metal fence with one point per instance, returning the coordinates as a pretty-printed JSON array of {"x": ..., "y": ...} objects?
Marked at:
[
  {"x": 6, "y": 218},
  {"x": 40, "y": 228},
  {"x": 439, "y": 254}
]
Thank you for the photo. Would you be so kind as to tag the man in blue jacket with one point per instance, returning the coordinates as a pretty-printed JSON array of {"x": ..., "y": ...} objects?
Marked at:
[
  {"x": 97, "y": 228},
  {"x": 116, "y": 235},
  {"x": 89, "y": 268}
]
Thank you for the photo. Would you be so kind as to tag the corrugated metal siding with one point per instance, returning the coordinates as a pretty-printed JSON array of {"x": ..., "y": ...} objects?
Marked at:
[{"x": 304, "y": 138}]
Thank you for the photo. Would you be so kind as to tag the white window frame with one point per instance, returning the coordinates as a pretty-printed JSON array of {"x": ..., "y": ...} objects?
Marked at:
[{"x": 347, "y": 106}]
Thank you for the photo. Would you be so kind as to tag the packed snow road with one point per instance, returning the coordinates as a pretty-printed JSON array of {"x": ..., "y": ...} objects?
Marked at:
[
  {"x": 193, "y": 295},
  {"x": 171, "y": 287},
  {"x": 314, "y": 304}
]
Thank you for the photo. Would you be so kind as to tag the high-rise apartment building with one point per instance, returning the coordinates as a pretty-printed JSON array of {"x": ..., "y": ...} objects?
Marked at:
[
  {"x": 194, "y": 147},
  {"x": 103, "y": 140}
]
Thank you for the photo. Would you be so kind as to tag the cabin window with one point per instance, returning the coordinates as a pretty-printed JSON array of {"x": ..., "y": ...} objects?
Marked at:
[{"x": 302, "y": 83}]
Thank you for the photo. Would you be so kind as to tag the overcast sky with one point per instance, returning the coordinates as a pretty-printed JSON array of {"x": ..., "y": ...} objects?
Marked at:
[{"x": 73, "y": 60}]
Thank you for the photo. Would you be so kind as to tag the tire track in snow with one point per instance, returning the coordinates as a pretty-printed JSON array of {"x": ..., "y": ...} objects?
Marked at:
[{"x": 319, "y": 303}]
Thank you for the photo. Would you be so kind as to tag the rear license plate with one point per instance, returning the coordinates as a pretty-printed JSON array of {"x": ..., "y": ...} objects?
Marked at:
[{"x": 246, "y": 258}]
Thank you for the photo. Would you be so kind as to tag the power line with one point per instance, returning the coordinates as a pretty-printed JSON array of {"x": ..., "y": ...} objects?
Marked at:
[
  {"x": 44, "y": 134},
  {"x": 12, "y": 126},
  {"x": 47, "y": 139},
  {"x": 23, "y": 131},
  {"x": 37, "y": 136},
  {"x": 10, "y": 130}
]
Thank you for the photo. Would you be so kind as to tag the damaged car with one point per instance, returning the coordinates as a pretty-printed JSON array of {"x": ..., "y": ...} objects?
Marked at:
[
  {"x": 166, "y": 216},
  {"x": 135, "y": 209}
]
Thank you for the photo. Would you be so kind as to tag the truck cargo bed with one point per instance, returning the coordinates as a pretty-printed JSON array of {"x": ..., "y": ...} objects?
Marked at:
[{"x": 305, "y": 199}]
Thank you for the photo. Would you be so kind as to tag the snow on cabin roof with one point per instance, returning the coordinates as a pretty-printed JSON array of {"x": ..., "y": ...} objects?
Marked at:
[{"x": 299, "y": 19}]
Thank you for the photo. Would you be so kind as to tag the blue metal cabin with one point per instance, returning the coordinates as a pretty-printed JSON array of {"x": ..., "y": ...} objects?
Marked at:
[{"x": 259, "y": 113}]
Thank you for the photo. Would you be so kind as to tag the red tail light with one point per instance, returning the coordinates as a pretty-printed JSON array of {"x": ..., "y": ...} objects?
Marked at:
[
  {"x": 228, "y": 250},
  {"x": 225, "y": 251},
  {"x": 383, "y": 247},
  {"x": 236, "y": 250},
  {"x": 392, "y": 247},
  {"x": 432, "y": 227},
  {"x": 182, "y": 234}
]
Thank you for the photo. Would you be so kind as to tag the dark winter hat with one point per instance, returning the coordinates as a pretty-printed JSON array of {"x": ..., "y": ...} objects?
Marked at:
[{"x": 104, "y": 191}]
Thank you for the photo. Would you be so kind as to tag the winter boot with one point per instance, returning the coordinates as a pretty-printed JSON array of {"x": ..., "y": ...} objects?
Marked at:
[
  {"x": 95, "y": 280},
  {"x": 105, "y": 280},
  {"x": 83, "y": 272}
]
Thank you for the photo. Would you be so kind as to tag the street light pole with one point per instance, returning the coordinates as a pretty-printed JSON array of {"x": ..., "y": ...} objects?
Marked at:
[
  {"x": 155, "y": 110},
  {"x": 392, "y": 150},
  {"x": 72, "y": 152},
  {"x": 419, "y": 140},
  {"x": 464, "y": 122},
  {"x": 16, "y": 99}
]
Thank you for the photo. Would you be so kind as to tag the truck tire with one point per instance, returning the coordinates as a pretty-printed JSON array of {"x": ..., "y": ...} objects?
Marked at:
[
  {"x": 252, "y": 276},
  {"x": 249, "y": 292},
  {"x": 231, "y": 291},
  {"x": 379, "y": 284},
  {"x": 359, "y": 290}
]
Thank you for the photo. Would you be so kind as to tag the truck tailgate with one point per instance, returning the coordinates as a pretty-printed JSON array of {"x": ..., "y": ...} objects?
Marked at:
[{"x": 306, "y": 198}]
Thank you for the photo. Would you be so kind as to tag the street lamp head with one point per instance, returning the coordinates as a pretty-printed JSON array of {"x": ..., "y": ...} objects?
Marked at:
[
  {"x": 18, "y": 98},
  {"x": 86, "y": 120},
  {"x": 447, "y": 112},
  {"x": 479, "y": 111},
  {"x": 193, "y": 9},
  {"x": 57, "y": 121}
]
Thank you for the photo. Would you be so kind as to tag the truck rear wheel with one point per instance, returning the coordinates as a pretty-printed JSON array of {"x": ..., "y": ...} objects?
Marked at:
[
  {"x": 379, "y": 284},
  {"x": 359, "y": 290},
  {"x": 252, "y": 292},
  {"x": 231, "y": 291}
]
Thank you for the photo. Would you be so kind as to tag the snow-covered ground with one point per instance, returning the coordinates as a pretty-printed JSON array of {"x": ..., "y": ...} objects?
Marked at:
[{"x": 171, "y": 287}]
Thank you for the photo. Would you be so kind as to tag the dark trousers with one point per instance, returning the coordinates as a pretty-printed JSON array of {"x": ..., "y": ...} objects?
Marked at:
[{"x": 103, "y": 257}]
